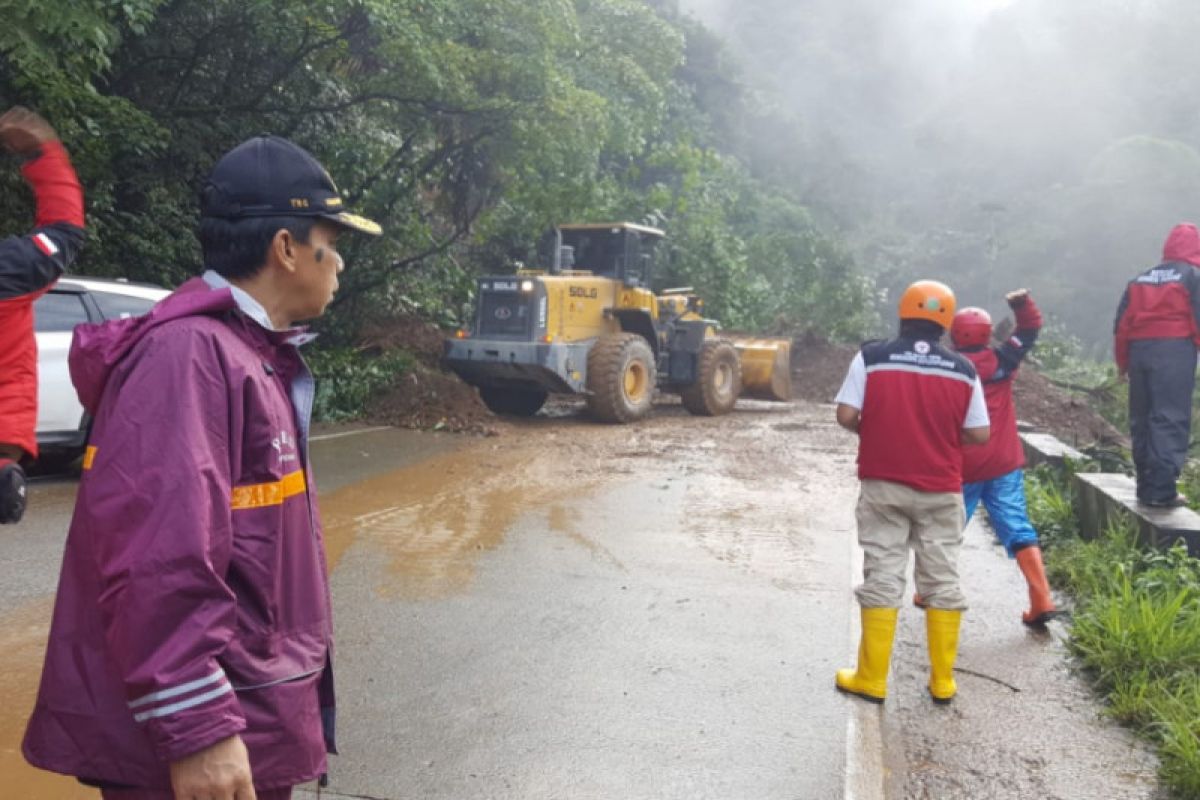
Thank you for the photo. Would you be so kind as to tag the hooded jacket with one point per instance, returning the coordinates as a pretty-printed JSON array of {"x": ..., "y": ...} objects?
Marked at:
[
  {"x": 193, "y": 602},
  {"x": 997, "y": 367},
  {"x": 29, "y": 266},
  {"x": 1164, "y": 301}
]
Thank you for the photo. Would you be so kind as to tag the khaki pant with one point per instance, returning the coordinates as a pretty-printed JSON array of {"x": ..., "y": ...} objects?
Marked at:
[{"x": 892, "y": 518}]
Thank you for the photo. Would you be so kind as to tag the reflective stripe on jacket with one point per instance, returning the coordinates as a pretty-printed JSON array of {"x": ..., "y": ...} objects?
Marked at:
[
  {"x": 193, "y": 602},
  {"x": 914, "y": 405},
  {"x": 1164, "y": 301}
]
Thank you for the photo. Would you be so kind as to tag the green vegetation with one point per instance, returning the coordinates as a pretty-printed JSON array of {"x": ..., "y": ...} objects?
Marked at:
[
  {"x": 466, "y": 127},
  {"x": 1136, "y": 625},
  {"x": 347, "y": 379}
]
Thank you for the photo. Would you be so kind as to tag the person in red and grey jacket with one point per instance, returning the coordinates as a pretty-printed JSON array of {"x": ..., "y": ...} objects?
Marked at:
[
  {"x": 913, "y": 403},
  {"x": 1156, "y": 334},
  {"x": 994, "y": 472},
  {"x": 29, "y": 266}
]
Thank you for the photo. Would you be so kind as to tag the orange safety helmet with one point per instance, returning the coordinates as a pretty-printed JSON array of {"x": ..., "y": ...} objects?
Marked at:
[
  {"x": 972, "y": 327},
  {"x": 931, "y": 300}
]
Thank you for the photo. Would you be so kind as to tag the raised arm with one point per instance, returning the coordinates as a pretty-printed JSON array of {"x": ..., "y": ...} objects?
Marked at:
[{"x": 31, "y": 263}]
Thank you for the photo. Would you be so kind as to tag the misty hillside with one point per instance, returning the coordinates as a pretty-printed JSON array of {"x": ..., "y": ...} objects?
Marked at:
[{"x": 990, "y": 144}]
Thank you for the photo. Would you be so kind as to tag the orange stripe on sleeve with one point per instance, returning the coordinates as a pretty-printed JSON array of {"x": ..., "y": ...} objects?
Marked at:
[{"x": 272, "y": 493}]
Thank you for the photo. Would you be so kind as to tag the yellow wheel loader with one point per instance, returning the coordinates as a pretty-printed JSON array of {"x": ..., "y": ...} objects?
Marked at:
[{"x": 590, "y": 325}]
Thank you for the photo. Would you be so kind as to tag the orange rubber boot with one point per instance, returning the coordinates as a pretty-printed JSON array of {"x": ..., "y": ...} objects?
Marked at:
[{"x": 1041, "y": 604}]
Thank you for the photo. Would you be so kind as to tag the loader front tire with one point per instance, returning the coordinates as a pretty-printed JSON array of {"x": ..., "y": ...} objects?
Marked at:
[
  {"x": 718, "y": 380},
  {"x": 512, "y": 402},
  {"x": 621, "y": 378}
]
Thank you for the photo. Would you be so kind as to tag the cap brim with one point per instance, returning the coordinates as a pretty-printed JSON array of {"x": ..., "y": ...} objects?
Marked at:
[{"x": 355, "y": 223}]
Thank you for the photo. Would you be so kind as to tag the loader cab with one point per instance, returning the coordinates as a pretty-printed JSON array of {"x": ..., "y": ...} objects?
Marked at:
[{"x": 621, "y": 251}]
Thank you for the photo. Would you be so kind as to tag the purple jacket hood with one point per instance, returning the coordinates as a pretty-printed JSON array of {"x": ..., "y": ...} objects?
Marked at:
[{"x": 98, "y": 347}]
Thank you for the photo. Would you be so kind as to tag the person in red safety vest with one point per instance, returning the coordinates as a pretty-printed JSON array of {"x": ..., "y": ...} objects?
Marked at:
[
  {"x": 913, "y": 403},
  {"x": 29, "y": 266},
  {"x": 994, "y": 473},
  {"x": 1155, "y": 335}
]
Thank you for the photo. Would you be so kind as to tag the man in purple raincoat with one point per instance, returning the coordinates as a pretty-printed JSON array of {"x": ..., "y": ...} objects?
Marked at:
[{"x": 190, "y": 650}]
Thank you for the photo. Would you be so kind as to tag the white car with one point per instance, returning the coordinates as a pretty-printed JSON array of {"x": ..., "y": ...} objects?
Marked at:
[{"x": 62, "y": 424}]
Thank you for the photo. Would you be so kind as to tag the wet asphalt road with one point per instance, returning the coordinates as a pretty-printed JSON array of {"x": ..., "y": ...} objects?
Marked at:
[{"x": 570, "y": 610}]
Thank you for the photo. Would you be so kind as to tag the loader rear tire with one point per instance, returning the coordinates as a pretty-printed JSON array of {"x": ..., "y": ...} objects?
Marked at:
[
  {"x": 718, "y": 380},
  {"x": 511, "y": 401},
  {"x": 621, "y": 378}
]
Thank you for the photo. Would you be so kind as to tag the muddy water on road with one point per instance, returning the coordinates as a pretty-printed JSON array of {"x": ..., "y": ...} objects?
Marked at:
[
  {"x": 657, "y": 620},
  {"x": 431, "y": 522},
  {"x": 23, "y": 643}
]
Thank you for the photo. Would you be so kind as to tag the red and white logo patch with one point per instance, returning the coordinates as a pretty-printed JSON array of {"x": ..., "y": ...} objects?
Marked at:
[{"x": 45, "y": 244}]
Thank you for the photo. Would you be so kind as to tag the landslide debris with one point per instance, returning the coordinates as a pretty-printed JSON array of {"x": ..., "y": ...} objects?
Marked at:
[
  {"x": 819, "y": 367},
  {"x": 427, "y": 398}
]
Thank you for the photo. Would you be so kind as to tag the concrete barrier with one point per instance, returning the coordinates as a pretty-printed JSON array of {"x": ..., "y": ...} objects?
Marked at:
[
  {"x": 1042, "y": 448},
  {"x": 1101, "y": 496}
]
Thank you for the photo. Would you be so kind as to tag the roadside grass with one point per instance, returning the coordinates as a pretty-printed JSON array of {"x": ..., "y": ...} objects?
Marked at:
[{"x": 1135, "y": 628}]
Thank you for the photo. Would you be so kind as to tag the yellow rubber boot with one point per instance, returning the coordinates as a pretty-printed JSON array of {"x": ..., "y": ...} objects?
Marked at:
[
  {"x": 941, "y": 629},
  {"x": 869, "y": 680}
]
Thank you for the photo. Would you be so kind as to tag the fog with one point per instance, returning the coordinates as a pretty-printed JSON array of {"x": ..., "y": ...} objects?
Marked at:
[{"x": 1045, "y": 143}]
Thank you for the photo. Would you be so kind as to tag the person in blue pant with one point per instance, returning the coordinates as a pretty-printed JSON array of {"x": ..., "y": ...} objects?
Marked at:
[{"x": 993, "y": 473}]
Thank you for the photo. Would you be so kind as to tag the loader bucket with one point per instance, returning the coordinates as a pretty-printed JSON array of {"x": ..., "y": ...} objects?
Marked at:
[{"x": 766, "y": 368}]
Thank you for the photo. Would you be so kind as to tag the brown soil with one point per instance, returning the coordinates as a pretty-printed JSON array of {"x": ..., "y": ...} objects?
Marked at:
[
  {"x": 1060, "y": 412},
  {"x": 429, "y": 399},
  {"x": 415, "y": 335},
  {"x": 426, "y": 398},
  {"x": 819, "y": 368}
]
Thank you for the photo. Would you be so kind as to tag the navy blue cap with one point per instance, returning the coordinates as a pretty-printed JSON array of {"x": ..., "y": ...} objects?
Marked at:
[{"x": 271, "y": 177}]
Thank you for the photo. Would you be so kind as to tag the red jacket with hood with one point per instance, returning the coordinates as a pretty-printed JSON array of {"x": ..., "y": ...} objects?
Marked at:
[
  {"x": 1164, "y": 301},
  {"x": 193, "y": 602},
  {"x": 29, "y": 266}
]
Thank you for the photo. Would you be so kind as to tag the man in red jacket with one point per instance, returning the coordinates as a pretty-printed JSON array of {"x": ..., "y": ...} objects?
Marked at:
[
  {"x": 29, "y": 266},
  {"x": 1156, "y": 333},
  {"x": 993, "y": 472}
]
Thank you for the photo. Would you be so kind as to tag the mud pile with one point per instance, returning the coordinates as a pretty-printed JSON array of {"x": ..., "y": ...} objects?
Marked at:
[
  {"x": 426, "y": 398},
  {"x": 819, "y": 367}
]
